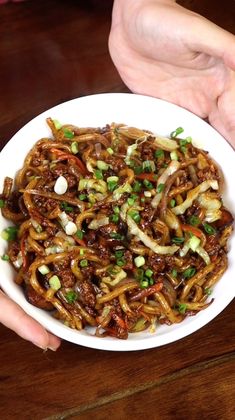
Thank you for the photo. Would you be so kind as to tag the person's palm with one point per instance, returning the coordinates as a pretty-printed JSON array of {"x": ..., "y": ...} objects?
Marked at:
[{"x": 163, "y": 50}]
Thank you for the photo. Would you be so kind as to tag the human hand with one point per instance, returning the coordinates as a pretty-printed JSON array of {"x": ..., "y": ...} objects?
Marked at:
[
  {"x": 164, "y": 50},
  {"x": 13, "y": 317}
]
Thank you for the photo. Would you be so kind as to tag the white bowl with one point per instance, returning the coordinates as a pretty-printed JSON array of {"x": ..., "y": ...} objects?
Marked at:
[{"x": 143, "y": 112}]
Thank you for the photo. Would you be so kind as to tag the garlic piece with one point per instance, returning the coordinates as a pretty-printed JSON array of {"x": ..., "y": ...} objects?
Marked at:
[
  {"x": 70, "y": 228},
  {"x": 61, "y": 185}
]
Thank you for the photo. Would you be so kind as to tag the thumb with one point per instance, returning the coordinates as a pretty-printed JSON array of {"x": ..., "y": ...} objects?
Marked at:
[{"x": 13, "y": 317}]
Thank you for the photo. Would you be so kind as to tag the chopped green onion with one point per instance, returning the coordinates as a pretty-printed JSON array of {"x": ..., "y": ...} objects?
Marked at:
[
  {"x": 119, "y": 253},
  {"x": 149, "y": 166},
  {"x": 116, "y": 210},
  {"x": 139, "y": 275},
  {"x": 79, "y": 234},
  {"x": 74, "y": 148},
  {"x": 183, "y": 145},
  {"x": 159, "y": 153},
  {"x": 54, "y": 283},
  {"x": 112, "y": 178},
  {"x": 71, "y": 296},
  {"x": 208, "y": 291},
  {"x": 98, "y": 174},
  {"x": 138, "y": 170},
  {"x": 182, "y": 308},
  {"x": 81, "y": 252},
  {"x": 44, "y": 269},
  {"x": 134, "y": 214},
  {"x": 148, "y": 273},
  {"x": 9, "y": 233},
  {"x": 144, "y": 284},
  {"x": 189, "y": 272},
  {"x": 2, "y": 203},
  {"x": 174, "y": 155},
  {"x": 102, "y": 165},
  {"x": 209, "y": 229},
  {"x": 194, "y": 220},
  {"x": 142, "y": 200},
  {"x": 137, "y": 186},
  {"x": 178, "y": 131},
  {"x": 189, "y": 139},
  {"x": 83, "y": 263},
  {"x": 82, "y": 197},
  {"x": 183, "y": 142},
  {"x": 110, "y": 151},
  {"x": 68, "y": 133},
  {"x": 174, "y": 273},
  {"x": 131, "y": 201},
  {"x": 177, "y": 240},
  {"x": 115, "y": 235},
  {"x": 148, "y": 184},
  {"x": 172, "y": 202},
  {"x": 5, "y": 257},
  {"x": 160, "y": 188},
  {"x": 64, "y": 206},
  {"x": 120, "y": 262},
  {"x": 57, "y": 124},
  {"x": 114, "y": 218},
  {"x": 139, "y": 261},
  {"x": 112, "y": 185}
]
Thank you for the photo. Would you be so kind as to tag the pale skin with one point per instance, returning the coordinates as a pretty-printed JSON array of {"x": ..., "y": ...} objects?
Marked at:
[{"x": 163, "y": 50}]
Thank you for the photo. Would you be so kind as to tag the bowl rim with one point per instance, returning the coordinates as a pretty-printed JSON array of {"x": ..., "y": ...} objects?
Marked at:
[{"x": 171, "y": 333}]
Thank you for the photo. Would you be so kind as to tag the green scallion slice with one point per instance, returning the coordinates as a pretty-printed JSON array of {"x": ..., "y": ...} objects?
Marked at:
[
  {"x": 68, "y": 133},
  {"x": 139, "y": 261},
  {"x": 209, "y": 229},
  {"x": 83, "y": 263},
  {"x": 54, "y": 283},
  {"x": 74, "y": 148},
  {"x": 71, "y": 296}
]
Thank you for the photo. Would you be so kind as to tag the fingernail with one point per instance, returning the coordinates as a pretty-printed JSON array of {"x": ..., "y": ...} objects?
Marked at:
[
  {"x": 40, "y": 347},
  {"x": 52, "y": 348}
]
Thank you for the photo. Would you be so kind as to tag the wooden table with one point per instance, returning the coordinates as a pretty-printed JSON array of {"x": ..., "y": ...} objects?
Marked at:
[{"x": 52, "y": 51}]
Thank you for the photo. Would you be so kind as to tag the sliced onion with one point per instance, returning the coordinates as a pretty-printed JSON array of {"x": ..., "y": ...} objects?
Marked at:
[
  {"x": 97, "y": 223},
  {"x": 165, "y": 143},
  {"x": 149, "y": 242},
  {"x": 203, "y": 254},
  {"x": 171, "y": 168},
  {"x": 193, "y": 195}
]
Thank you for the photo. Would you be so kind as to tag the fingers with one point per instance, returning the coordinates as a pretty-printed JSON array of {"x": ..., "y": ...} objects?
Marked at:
[
  {"x": 207, "y": 37},
  {"x": 13, "y": 317}
]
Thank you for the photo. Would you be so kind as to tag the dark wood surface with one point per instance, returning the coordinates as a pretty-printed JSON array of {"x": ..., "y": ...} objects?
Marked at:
[{"x": 52, "y": 51}]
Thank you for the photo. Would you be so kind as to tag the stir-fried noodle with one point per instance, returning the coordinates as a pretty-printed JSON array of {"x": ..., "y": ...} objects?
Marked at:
[{"x": 116, "y": 228}]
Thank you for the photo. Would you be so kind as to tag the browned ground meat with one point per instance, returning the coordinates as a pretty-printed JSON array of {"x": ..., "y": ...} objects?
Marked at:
[
  {"x": 62, "y": 264},
  {"x": 67, "y": 278},
  {"x": 212, "y": 245},
  {"x": 157, "y": 263},
  {"x": 86, "y": 293},
  {"x": 14, "y": 248}
]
